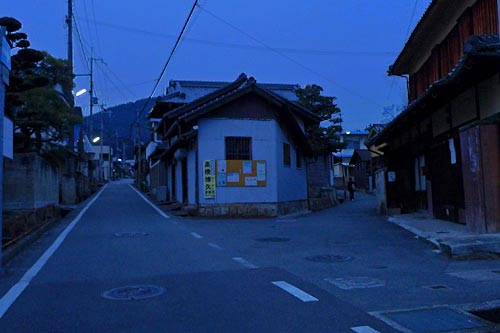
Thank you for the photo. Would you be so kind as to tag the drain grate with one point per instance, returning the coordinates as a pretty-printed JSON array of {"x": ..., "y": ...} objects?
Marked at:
[
  {"x": 329, "y": 258},
  {"x": 132, "y": 293},
  {"x": 435, "y": 320},
  {"x": 130, "y": 234},
  {"x": 273, "y": 239}
]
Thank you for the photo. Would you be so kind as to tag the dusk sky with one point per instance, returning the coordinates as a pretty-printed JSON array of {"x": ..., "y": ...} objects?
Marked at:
[{"x": 344, "y": 46}]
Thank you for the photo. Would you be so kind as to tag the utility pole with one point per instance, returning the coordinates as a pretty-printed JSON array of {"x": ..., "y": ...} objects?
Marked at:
[
  {"x": 4, "y": 80},
  {"x": 139, "y": 158},
  {"x": 69, "y": 22},
  {"x": 101, "y": 158},
  {"x": 91, "y": 92}
]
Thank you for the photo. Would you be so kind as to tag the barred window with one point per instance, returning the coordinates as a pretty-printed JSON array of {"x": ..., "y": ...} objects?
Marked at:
[
  {"x": 298, "y": 158},
  {"x": 286, "y": 154},
  {"x": 238, "y": 148}
]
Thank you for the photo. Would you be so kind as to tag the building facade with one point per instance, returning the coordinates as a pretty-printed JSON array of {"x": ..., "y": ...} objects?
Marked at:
[
  {"x": 239, "y": 150},
  {"x": 443, "y": 151}
]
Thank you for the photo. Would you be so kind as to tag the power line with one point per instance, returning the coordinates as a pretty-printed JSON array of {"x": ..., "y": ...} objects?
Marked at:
[
  {"x": 310, "y": 70},
  {"x": 407, "y": 35},
  {"x": 95, "y": 28},
  {"x": 341, "y": 53},
  {"x": 162, "y": 73},
  {"x": 411, "y": 20},
  {"x": 82, "y": 46}
]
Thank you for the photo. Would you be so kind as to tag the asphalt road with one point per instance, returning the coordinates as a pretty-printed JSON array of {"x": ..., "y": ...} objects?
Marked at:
[{"x": 211, "y": 276}]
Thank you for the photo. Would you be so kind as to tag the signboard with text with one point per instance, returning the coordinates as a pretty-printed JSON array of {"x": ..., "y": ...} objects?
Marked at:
[{"x": 209, "y": 179}]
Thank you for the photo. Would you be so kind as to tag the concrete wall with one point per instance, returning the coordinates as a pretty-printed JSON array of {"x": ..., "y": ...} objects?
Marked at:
[
  {"x": 29, "y": 182},
  {"x": 178, "y": 181},
  {"x": 211, "y": 143},
  {"x": 292, "y": 181},
  {"x": 191, "y": 168}
]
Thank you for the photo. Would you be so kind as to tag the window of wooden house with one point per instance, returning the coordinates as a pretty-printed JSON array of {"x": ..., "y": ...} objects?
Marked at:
[
  {"x": 298, "y": 158},
  {"x": 238, "y": 148},
  {"x": 286, "y": 155}
]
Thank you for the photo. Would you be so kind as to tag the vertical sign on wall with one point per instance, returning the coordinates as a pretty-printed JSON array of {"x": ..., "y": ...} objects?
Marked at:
[{"x": 209, "y": 179}]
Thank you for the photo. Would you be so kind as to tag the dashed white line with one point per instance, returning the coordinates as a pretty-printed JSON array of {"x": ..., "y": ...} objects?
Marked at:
[
  {"x": 196, "y": 235},
  {"x": 294, "y": 291},
  {"x": 162, "y": 213},
  {"x": 364, "y": 329},
  {"x": 10, "y": 297},
  {"x": 215, "y": 246},
  {"x": 244, "y": 262}
]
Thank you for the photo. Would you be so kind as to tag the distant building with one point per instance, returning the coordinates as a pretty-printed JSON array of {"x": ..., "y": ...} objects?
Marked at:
[
  {"x": 443, "y": 150},
  {"x": 102, "y": 159},
  {"x": 342, "y": 170}
]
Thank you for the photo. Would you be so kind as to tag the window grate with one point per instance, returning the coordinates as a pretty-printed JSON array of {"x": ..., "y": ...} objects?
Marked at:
[{"x": 238, "y": 148}]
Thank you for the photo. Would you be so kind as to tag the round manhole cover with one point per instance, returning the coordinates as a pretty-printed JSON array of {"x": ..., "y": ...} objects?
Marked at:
[
  {"x": 131, "y": 293},
  {"x": 131, "y": 234},
  {"x": 329, "y": 258},
  {"x": 273, "y": 239}
]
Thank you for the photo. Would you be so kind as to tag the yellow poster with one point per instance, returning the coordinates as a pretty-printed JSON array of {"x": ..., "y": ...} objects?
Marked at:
[{"x": 209, "y": 179}]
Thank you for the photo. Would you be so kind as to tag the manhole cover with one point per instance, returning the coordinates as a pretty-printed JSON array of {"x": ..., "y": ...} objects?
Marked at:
[
  {"x": 356, "y": 282},
  {"x": 273, "y": 239},
  {"x": 131, "y": 293},
  {"x": 131, "y": 234},
  {"x": 329, "y": 258}
]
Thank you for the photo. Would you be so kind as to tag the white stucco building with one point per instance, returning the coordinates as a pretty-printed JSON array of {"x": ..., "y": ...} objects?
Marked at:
[{"x": 239, "y": 150}]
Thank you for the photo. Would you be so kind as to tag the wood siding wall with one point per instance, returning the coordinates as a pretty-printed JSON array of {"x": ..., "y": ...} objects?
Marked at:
[{"x": 480, "y": 19}]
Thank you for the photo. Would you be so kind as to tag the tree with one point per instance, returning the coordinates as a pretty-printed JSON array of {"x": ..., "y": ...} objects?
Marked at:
[
  {"x": 37, "y": 98},
  {"x": 325, "y": 136},
  {"x": 390, "y": 112}
]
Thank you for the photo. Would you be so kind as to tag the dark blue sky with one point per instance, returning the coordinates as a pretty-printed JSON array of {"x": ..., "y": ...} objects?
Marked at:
[{"x": 344, "y": 46}]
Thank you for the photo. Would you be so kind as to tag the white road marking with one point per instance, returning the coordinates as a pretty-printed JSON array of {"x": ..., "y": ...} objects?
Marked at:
[
  {"x": 10, "y": 297},
  {"x": 364, "y": 329},
  {"x": 215, "y": 246},
  {"x": 291, "y": 289},
  {"x": 162, "y": 213},
  {"x": 196, "y": 235},
  {"x": 244, "y": 262}
]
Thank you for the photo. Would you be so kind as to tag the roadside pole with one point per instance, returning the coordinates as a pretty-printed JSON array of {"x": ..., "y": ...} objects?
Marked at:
[{"x": 4, "y": 80}]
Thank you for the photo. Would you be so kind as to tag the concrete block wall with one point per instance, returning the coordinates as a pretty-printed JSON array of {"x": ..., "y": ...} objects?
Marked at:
[{"x": 30, "y": 182}]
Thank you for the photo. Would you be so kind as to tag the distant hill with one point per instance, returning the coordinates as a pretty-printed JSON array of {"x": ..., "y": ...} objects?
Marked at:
[{"x": 117, "y": 121}]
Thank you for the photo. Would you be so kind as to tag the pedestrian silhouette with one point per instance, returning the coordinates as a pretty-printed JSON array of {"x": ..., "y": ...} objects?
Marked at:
[{"x": 351, "y": 188}]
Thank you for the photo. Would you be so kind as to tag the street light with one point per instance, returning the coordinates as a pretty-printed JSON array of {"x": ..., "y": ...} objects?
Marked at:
[
  {"x": 96, "y": 139},
  {"x": 80, "y": 92}
]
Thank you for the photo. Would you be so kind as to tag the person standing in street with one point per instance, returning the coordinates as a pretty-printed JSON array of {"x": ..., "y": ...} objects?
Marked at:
[{"x": 351, "y": 188}]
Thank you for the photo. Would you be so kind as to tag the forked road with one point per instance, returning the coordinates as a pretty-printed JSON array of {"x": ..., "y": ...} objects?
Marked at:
[{"x": 172, "y": 279}]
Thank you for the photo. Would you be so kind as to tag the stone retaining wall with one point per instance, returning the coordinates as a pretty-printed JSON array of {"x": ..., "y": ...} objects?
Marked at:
[{"x": 250, "y": 209}]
